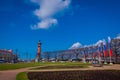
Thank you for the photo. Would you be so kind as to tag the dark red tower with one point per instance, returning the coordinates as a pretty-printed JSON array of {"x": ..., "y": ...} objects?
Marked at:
[{"x": 39, "y": 51}]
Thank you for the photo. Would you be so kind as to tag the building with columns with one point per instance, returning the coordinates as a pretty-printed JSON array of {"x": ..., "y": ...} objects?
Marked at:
[{"x": 7, "y": 56}]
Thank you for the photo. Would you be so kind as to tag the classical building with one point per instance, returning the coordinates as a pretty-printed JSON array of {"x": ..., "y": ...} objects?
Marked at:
[{"x": 7, "y": 56}]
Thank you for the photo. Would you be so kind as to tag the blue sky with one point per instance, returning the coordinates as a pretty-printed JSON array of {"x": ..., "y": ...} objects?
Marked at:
[{"x": 24, "y": 22}]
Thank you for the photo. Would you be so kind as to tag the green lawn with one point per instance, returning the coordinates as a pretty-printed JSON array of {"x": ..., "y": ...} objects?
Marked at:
[
  {"x": 66, "y": 65},
  {"x": 22, "y": 76},
  {"x": 24, "y": 65},
  {"x": 17, "y": 66}
]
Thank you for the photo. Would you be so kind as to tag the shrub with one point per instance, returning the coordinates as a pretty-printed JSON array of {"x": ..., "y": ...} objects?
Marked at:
[{"x": 76, "y": 75}]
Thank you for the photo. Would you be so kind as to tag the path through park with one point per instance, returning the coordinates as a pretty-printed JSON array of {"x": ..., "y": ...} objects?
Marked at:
[{"x": 11, "y": 74}]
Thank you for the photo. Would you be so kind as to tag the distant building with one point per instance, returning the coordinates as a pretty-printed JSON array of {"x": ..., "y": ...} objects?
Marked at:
[{"x": 7, "y": 56}]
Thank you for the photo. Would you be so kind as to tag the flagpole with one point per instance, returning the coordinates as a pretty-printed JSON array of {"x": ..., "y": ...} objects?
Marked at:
[
  {"x": 105, "y": 60},
  {"x": 99, "y": 53},
  {"x": 84, "y": 59},
  {"x": 99, "y": 59},
  {"x": 92, "y": 54},
  {"x": 104, "y": 47},
  {"x": 110, "y": 54},
  {"x": 110, "y": 60},
  {"x": 110, "y": 57}
]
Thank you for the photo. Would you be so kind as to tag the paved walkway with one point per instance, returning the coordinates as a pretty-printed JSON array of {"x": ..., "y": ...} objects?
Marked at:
[{"x": 11, "y": 74}]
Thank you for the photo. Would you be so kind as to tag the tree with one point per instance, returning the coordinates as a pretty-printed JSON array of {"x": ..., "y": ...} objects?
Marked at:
[
  {"x": 56, "y": 56},
  {"x": 47, "y": 56},
  {"x": 77, "y": 54},
  {"x": 61, "y": 56}
]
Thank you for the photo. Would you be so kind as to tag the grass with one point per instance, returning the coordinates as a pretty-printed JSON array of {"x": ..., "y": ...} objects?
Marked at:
[
  {"x": 22, "y": 76},
  {"x": 58, "y": 67},
  {"x": 17, "y": 66},
  {"x": 66, "y": 65},
  {"x": 24, "y": 65}
]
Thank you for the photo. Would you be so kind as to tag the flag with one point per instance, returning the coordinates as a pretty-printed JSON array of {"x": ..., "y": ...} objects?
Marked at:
[
  {"x": 109, "y": 47},
  {"x": 99, "y": 50},
  {"x": 94, "y": 55},
  {"x": 105, "y": 48},
  {"x": 89, "y": 55},
  {"x": 84, "y": 52}
]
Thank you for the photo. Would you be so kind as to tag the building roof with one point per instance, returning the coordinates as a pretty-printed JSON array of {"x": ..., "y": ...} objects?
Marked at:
[{"x": 5, "y": 51}]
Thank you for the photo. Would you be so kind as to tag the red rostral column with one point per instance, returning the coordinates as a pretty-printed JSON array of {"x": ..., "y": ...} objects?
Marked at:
[{"x": 39, "y": 50}]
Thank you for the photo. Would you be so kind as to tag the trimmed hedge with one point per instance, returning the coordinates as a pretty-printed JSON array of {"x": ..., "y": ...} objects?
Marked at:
[{"x": 76, "y": 75}]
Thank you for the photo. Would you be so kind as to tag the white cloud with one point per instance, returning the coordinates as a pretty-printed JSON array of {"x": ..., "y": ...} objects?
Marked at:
[
  {"x": 45, "y": 24},
  {"x": 109, "y": 39},
  {"x": 79, "y": 45},
  {"x": 47, "y": 11},
  {"x": 118, "y": 36},
  {"x": 76, "y": 45},
  {"x": 104, "y": 42},
  {"x": 99, "y": 42},
  {"x": 88, "y": 45}
]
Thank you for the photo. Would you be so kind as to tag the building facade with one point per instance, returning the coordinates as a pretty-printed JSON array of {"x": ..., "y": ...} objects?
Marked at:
[{"x": 7, "y": 56}]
